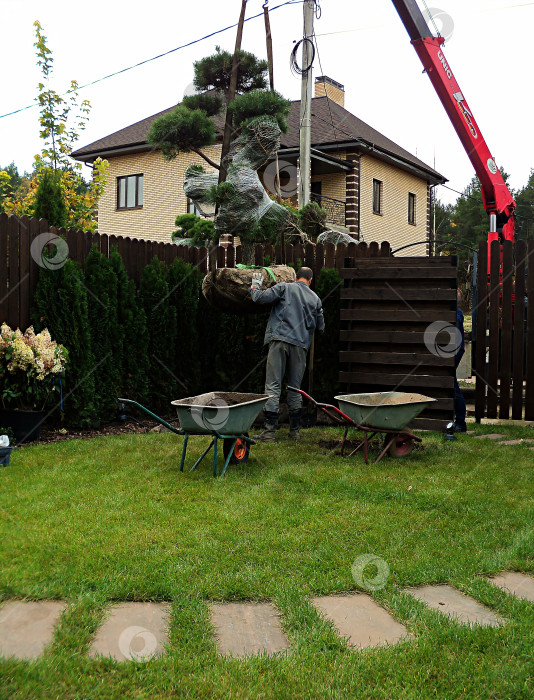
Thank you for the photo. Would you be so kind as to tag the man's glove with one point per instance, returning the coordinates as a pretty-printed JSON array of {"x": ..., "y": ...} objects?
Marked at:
[{"x": 257, "y": 280}]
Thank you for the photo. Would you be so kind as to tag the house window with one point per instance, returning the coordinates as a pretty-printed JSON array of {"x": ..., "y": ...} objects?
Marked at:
[
  {"x": 192, "y": 209},
  {"x": 316, "y": 190},
  {"x": 377, "y": 197},
  {"x": 130, "y": 192},
  {"x": 411, "y": 208}
]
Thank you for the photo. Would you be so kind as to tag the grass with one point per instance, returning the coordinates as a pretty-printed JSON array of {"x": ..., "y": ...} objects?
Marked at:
[{"x": 95, "y": 521}]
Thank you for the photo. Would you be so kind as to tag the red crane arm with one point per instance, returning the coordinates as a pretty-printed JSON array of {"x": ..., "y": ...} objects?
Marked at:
[{"x": 496, "y": 196}]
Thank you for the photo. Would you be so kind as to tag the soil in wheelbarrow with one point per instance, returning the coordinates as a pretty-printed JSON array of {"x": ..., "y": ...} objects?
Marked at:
[
  {"x": 392, "y": 400},
  {"x": 220, "y": 398}
]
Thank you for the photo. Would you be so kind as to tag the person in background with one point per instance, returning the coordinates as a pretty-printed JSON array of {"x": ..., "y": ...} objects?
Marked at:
[
  {"x": 459, "y": 401},
  {"x": 296, "y": 313}
]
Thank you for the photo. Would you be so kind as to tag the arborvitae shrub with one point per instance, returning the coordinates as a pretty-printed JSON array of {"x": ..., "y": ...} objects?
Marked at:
[
  {"x": 161, "y": 325},
  {"x": 49, "y": 203},
  {"x": 184, "y": 280},
  {"x": 60, "y": 304},
  {"x": 101, "y": 282},
  {"x": 255, "y": 353},
  {"x": 208, "y": 322},
  {"x": 133, "y": 331},
  {"x": 326, "y": 369}
]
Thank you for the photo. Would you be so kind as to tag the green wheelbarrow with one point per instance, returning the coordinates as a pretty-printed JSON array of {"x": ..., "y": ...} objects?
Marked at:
[{"x": 226, "y": 416}]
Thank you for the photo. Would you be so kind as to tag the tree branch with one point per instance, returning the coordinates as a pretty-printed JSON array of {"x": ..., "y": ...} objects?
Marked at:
[{"x": 206, "y": 158}]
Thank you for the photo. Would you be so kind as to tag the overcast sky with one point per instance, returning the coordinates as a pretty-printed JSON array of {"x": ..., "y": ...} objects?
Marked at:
[{"x": 362, "y": 44}]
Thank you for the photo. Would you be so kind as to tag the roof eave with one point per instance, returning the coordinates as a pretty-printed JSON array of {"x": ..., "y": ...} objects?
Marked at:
[{"x": 433, "y": 176}]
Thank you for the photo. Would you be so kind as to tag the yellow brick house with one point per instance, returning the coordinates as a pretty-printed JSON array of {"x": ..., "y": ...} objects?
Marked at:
[{"x": 370, "y": 187}]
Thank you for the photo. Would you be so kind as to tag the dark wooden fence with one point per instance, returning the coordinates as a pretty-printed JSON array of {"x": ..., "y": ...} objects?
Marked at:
[
  {"x": 19, "y": 268},
  {"x": 388, "y": 306},
  {"x": 504, "y": 353}
]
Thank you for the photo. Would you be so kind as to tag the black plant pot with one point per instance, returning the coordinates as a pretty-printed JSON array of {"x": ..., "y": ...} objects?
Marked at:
[
  {"x": 5, "y": 454},
  {"x": 26, "y": 425}
]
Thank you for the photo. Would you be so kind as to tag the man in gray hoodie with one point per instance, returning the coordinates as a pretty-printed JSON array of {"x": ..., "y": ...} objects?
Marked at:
[{"x": 296, "y": 313}]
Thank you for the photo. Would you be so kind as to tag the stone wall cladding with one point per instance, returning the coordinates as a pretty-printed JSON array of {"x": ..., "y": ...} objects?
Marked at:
[
  {"x": 392, "y": 225},
  {"x": 163, "y": 195}
]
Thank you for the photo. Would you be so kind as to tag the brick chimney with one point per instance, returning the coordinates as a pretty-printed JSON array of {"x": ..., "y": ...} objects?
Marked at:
[{"x": 334, "y": 90}]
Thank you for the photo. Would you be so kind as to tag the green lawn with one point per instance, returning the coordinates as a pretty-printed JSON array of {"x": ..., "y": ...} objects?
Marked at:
[{"x": 94, "y": 521}]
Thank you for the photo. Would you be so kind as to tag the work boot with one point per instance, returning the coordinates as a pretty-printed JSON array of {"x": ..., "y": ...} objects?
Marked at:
[
  {"x": 294, "y": 424},
  {"x": 270, "y": 423}
]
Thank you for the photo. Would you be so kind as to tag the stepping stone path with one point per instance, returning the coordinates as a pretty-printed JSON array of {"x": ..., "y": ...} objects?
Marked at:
[
  {"x": 139, "y": 631},
  {"x": 489, "y": 436},
  {"x": 26, "y": 627},
  {"x": 513, "y": 442},
  {"x": 520, "y": 585},
  {"x": 360, "y": 619},
  {"x": 244, "y": 629},
  {"x": 133, "y": 631},
  {"x": 455, "y": 605}
]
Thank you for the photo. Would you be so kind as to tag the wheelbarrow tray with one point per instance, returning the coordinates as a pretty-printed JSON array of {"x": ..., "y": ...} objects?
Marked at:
[
  {"x": 383, "y": 409},
  {"x": 227, "y": 413}
]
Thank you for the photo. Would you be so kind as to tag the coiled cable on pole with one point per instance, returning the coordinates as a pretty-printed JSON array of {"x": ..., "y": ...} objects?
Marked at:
[{"x": 295, "y": 68}]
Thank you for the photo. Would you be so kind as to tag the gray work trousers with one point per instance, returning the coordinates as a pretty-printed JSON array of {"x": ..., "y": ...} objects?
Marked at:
[{"x": 281, "y": 355}]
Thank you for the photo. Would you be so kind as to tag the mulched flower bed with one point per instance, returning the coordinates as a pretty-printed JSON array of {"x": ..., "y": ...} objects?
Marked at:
[{"x": 59, "y": 434}]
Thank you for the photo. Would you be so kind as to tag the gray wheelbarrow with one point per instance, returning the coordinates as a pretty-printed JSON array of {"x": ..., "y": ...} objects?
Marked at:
[
  {"x": 384, "y": 412},
  {"x": 226, "y": 416}
]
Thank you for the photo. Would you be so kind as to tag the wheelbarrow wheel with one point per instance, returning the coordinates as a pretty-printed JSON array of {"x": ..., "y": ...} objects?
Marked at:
[
  {"x": 401, "y": 446},
  {"x": 240, "y": 451}
]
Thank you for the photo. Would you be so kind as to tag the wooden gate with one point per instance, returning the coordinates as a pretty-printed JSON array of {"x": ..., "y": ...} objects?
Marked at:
[
  {"x": 398, "y": 330},
  {"x": 504, "y": 354}
]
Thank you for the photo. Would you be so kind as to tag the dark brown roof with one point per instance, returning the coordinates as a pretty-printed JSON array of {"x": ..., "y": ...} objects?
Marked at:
[{"x": 333, "y": 127}]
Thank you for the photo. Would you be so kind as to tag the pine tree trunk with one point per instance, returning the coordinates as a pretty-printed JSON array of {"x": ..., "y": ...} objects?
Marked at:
[{"x": 248, "y": 252}]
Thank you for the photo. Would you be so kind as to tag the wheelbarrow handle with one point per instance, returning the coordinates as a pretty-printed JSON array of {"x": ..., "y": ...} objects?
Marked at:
[
  {"x": 326, "y": 407},
  {"x": 152, "y": 415},
  {"x": 306, "y": 396}
]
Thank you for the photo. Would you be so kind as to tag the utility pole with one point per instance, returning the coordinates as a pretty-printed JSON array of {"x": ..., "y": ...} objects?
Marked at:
[{"x": 305, "y": 105}]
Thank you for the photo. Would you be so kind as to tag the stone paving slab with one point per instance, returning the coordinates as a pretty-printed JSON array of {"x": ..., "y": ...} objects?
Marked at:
[
  {"x": 456, "y": 605},
  {"x": 26, "y": 627},
  {"x": 244, "y": 629},
  {"x": 520, "y": 585},
  {"x": 133, "y": 631},
  {"x": 489, "y": 436},
  {"x": 360, "y": 619},
  {"x": 512, "y": 442}
]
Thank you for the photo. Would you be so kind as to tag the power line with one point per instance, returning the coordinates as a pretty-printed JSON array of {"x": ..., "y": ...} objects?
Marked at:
[
  {"x": 450, "y": 188},
  {"x": 161, "y": 55}
]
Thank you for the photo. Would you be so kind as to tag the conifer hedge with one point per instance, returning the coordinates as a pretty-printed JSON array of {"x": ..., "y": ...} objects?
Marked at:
[{"x": 161, "y": 341}]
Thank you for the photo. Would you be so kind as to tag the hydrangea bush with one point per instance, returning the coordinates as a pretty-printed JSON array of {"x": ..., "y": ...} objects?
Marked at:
[{"x": 30, "y": 367}]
